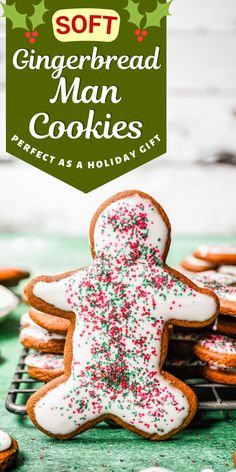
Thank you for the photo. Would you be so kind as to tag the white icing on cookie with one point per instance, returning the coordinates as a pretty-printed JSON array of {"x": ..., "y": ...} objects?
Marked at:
[
  {"x": 45, "y": 361},
  {"x": 218, "y": 343},
  {"x": 213, "y": 249},
  {"x": 194, "y": 261},
  {"x": 26, "y": 321},
  {"x": 5, "y": 441},
  {"x": 107, "y": 238},
  {"x": 8, "y": 301},
  {"x": 217, "y": 278},
  {"x": 122, "y": 302},
  {"x": 220, "y": 284},
  {"x": 207, "y": 470},
  {"x": 221, "y": 367},
  {"x": 228, "y": 269},
  {"x": 39, "y": 334},
  {"x": 53, "y": 293}
]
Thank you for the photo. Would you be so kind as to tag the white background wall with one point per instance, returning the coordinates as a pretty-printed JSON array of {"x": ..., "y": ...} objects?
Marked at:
[{"x": 196, "y": 180}]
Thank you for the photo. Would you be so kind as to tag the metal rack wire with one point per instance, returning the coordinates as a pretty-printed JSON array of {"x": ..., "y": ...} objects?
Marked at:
[
  {"x": 211, "y": 396},
  {"x": 21, "y": 388}
]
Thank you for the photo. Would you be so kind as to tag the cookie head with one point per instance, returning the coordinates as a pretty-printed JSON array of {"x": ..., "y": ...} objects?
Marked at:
[{"x": 130, "y": 224}]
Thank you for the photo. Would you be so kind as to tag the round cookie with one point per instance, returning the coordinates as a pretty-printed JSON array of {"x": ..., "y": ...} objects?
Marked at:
[
  {"x": 8, "y": 302},
  {"x": 11, "y": 276},
  {"x": 8, "y": 451},
  {"x": 227, "y": 298},
  {"x": 193, "y": 264},
  {"x": 225, "y": 325},
  {"x": 222, "y": 375},
  {"x": 221, "y": 285},
  {"x": 44, "y": 367},
  {"x": 49, "y": 322},
  {"x": 216, "y": 278},
  {"x": 42, "y": 340},
  {"x": 217, "y": 253},
  {"x": 217, "y": 349},
  {"x": 119, "y": 309}
]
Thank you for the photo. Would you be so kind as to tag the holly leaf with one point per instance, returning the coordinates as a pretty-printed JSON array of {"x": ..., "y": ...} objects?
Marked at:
[
  {"x": 154, "y": 18},
  {"x": 37, "y": 17},
  {"x": 134, "y": 16},
  {"x": 18, "y": 19}
]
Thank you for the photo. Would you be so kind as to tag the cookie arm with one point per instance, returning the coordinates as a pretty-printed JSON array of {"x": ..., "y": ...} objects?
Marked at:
[
  {"x": 192, "y": 305},
  {"x": 49, "y": 294}
]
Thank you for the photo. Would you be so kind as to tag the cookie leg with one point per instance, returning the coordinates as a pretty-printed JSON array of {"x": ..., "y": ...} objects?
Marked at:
[
  {"x": 62, "y": 410},
  {"x": 158, "y": 407}
]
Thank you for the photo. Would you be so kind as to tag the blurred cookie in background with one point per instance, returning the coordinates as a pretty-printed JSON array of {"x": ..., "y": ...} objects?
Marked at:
[
  {"x": 11, "y": 276},
  {"x": 193, "y": 264},
  {"x": 217, "y": 253},
  {"x": 8, "y": 302}
]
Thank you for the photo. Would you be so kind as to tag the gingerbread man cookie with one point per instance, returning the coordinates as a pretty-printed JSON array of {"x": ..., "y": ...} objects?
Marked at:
[{"x": 119, "y": 310}]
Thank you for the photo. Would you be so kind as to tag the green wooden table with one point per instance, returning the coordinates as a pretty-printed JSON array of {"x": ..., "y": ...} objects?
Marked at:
[{"x": 210, "y": 440}]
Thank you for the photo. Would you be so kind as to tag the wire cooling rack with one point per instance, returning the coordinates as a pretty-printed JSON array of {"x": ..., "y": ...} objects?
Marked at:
[
  {"x": 211, "y": 396},
  {"x": 21, "y": 388}
]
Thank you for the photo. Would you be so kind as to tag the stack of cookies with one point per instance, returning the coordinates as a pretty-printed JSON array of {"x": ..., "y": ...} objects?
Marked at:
[
  {"x": 210, "y": 353},
  {"x": 45, "y": 336}
]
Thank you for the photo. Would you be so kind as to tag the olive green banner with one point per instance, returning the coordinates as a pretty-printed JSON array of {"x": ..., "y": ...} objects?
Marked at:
[{"x": 86, "y": 86}]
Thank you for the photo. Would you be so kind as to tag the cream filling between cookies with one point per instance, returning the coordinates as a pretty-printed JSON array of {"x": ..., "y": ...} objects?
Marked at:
[
  {"x": 221, "y": 367},
  {"x": 39, "y": 334},
  {"x": 45, "y": 361}
]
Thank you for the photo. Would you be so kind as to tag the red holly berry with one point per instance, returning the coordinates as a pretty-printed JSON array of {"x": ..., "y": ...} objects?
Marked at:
[
  {"x": 32, "y": 40},
  {"x": 35, "y": 34},
  {"x": 140, "y": 38},
  {"x": 28, "y": 34},
  {"x": 144, "y": 33},
  {"x": 137, "y": 32}
]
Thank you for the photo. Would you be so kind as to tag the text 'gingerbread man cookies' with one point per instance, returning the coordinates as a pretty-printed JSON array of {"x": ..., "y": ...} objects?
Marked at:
[{"x": 119, "y": 308}]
